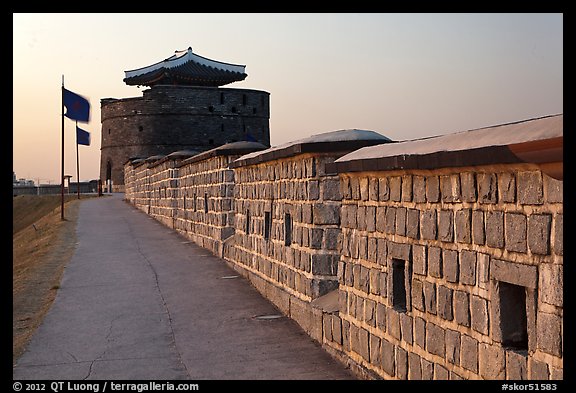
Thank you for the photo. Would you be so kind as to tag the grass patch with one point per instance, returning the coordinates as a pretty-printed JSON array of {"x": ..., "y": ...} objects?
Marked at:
[{"x": 42, "y": 244}]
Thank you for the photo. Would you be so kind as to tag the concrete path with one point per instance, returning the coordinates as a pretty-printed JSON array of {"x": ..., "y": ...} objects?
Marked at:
[{"x": 139, "y": 302}]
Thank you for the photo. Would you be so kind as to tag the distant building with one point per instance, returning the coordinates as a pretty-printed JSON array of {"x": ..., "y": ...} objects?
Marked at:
[{"x": 185, "y": 108}]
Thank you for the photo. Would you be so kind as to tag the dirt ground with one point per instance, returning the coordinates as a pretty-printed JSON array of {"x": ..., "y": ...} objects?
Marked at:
[{"x": 42, "y": 245}]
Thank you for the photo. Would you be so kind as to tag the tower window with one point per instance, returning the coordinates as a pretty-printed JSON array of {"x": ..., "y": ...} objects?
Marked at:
[
  {"x": 221, "y": 98},
  {"x": 513, "y": 322},
  {"x": 253, "y": 111},
  {"x": 210, "y": 141},
  {"x": 233, "y": 109},
  {"x": 211, "y": 108},
  {"x": 205, "y": 203},
  {"x": 267, "y": 225},
  {"x": 222, "y": 127},
  {"x": 399, "y": 285},
  {"x": 247, "y": 229},
  {"x": 109, "y": 130},
  {"x": 140, "y": 128},
  {"x": 287, "y": 229},
  {"x": 243, "y": 99},
  {"x": 194, "y": 203}
]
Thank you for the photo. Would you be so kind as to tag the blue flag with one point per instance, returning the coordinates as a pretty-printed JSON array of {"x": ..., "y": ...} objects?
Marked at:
[
  {"x": 82, "y": 137},
  {"x": 77, "y": 107}
]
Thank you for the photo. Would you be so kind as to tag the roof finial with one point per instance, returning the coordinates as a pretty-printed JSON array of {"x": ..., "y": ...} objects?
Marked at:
[{"x": 189, "y": 49}]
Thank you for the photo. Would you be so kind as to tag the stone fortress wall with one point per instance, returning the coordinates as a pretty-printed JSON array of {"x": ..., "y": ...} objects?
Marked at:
[
  {"x": 402, "y": 268},
  {"x": 171, "y": 118}
]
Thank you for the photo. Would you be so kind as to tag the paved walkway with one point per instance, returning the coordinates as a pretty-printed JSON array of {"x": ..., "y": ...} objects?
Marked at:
[{"x": 139, "y": 302}]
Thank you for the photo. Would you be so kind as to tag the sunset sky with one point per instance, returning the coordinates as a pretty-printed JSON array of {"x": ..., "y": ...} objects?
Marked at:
[{"x": 403, "y": 75}]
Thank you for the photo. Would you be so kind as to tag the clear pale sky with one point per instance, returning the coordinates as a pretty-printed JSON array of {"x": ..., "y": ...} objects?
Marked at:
[{"x": 403, "y": 75}]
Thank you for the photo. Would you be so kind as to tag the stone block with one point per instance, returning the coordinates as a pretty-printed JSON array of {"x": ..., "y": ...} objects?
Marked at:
[
  {"x": 364, "y": 190},
  {"x": 538, "y": 370},
  {"x": 417, "y": 295},
  {"x": 412, "y": 223},
  {"x": 529, "y": 188},
  {"x": 325, "y": 213},
  {"x": 324, "y": 264},
  {"x": 549, "y": 333},
  {"x": 313, "y": 190},
  {"x": 382, "y": 256},
  {"x": 393, "y": 323},
  {"x": 406, "y": 328},
  {"x": 487, "y": 187},
  {"x": 407, "y": 188},
  {"x": 401, "y": 363},
  {"x": 399, "y": 250},
  {"x": 516, "y": 366},
  {"x": 462, "y": 308},
  {"x": 468, "y": 267},
  {"x": 492, "y": 360},
  {"x": 388, "y": 357},
  {"x": 453, "y": 347},
  {"x": 381, "y": 219},
  {"x": 468, "y": 186},
  {"x": 400, "y": 221},
  {"x": 450, "y": 188},
  {"x": 551, "y": 284},
  {"x": 414, "y": 367},
  {"x": 435, "y": 339},
  {"x": 435, "y": 262},
  {"x": 419, "y": 189},
  {"x": 375, "y": 350},
  {"x": 373, "y": 189},
  {"x": 515, "y": 232},
  {"x": 553, "y": 189},
  {"x": 336, "y": 329},
  {"x": 444, "y": 308},
  {"x": 361, "y": 217},
  {"x": 420, "y": 332},
  {"x": 450, "y": 267},
  {"x": 440, "y": 373},
  {"x": 514, "y": 273},
  {"x": 419, "y": 259},
  {"x": 370, "y": 312},
  {"x": 558, "y": 244},
  {"x": 365, "y": 279},
  {"x": 370, "y": 218},
  {"x": 362, "y": 247},
  {"x": 478, "y": 236},
  {"x": 539, "y": 226},
  {"x": 381, "y": 317},
  {"x": 355, "y": 188},
  {"x": 506, "y": 187},
  {"x": 316, "y": 235},
  {"x": 428, "y": 227},
  {"x": 479, "y": 314},
  {"x": 483, "y": 270},
  {"x": 430, "y": 297},
  {"x": 432, "y": 189},
  {"x": 427, "y": 370},
  {"x": 446, "y": 226},
  {"x": 383, "y": 189},
  {"x": 395, "y": 188},
  {"x": 463, "y": 224},
  {"x": 390, "y": 220},
  {"x": 331, "y": 190},
  {"x": 375, "y": 281},
  {"x": 364, "y": 349},
  {"x": 327, "y": 328},
  {"x": 469, "y": 353},
  {"x": 355, "y": 339},
  {"x": 332, "y": 238},
  {"x": 494, "y": 229}
]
